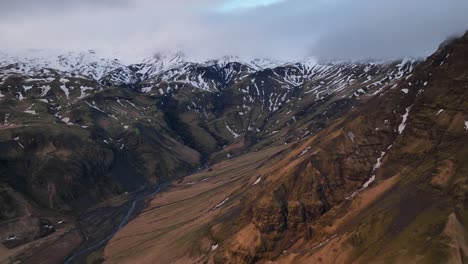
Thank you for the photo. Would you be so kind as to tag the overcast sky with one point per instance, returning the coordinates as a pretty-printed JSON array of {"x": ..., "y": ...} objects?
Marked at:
[{"x": 280, "y": 29}]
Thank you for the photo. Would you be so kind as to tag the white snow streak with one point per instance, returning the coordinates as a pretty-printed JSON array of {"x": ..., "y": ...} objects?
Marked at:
[
  {"x": 351, "y": 136},
  {"x": 221, "y": 203},
  {"x": 257, "y": 181},
  {"x": 83, "y": 91},
  {"x": 402, "y": 126},
  {"x": 372, "y": 178},
  {"x": 304, "y": 151},
  {"x": 65, "y": 90},
  {"x": 379, "y": 161},
  {"x": 146, "y": 89},
  {"x": 232, "y": 132},
  {"x": 45, "y": 90}
]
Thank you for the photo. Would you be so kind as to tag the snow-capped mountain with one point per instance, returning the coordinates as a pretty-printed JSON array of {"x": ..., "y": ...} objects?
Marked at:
[
  {"x": 88, "y": 64},
  {"x": 75, "y": 78},
  {"x": 176, "y": 68}
]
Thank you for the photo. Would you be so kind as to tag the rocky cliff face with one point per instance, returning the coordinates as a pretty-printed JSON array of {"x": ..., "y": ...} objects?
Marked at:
[{"x": 414, "y": 134}]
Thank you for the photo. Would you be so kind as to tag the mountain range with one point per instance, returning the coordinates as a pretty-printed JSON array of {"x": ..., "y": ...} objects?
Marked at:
[{"x": 234, "y": 161}]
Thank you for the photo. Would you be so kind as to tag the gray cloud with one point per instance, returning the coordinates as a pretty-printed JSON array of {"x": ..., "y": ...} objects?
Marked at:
[
  {"x": 392, "y": 28},
  {"x": 290, "y": 29},
  {"x": 24, "y": 9}
]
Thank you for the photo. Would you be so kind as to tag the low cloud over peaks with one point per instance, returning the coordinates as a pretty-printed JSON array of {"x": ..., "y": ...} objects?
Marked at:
[{"x": 284, "y": 29}]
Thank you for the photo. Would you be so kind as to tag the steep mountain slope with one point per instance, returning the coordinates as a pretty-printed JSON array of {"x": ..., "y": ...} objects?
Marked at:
[
  {"x": 384, "y": 180},
  {"x": 80, "y": 141},
  {"x": 417, "y": 210}
]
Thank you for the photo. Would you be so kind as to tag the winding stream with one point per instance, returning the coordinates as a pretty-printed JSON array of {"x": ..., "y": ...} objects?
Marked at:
[{"x": 123, "y": 222}]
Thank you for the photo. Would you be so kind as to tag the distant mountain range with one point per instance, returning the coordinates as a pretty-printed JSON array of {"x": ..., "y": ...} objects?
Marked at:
[{"x": 166, "y": 66}]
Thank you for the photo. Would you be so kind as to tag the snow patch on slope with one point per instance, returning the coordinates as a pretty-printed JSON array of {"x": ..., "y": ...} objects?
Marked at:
[
  {"x": 402, "y": 126},
  {"x": 234, "y": 134},
  {"x": 257, "y": 181}
]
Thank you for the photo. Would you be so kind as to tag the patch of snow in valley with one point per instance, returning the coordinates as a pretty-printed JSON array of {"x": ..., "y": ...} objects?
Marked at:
[
  {"x": 405, "y": 90},
  {"x": 321, "y": 244},
  {"x": 30, "y": 111},
  {"x": 27, "y": 88},
  {"x": 372, "y": 178},
  {"x": 120, "y": 103},
  {"x": 45, "y": 90},
  {"x": 368, "y": 182},
  {"x": 146, "y": 89},
  {"x": 379, "y": 161},
  {"x": 232, "y": 132},
  {"x": 132, "y": 104},
  {"x": 17, "y": 141},
  {"x": 351, "y": 136},
  {"x": 466, "y": 125},
  {"x": 304, "y": 151},
  {"x": 66, "y": 120},
  {"x": 94, "y": 106},
  {"x": 65, "y": 90},
  {"x": 257, "y": 181},
  {"x": 375, "y": 167},
  {"x": 402, "y": 126},
  {"x": 49, "y": 79},
  {"x": 83, "y": 91},
  {"x": 221, "y": 203},
  {"x": 440, "y": 111},
  {"x": 10, "y": 238}
]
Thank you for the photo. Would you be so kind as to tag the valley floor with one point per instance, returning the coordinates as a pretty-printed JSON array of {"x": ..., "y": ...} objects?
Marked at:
[{"x": 178, "y": 221}]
